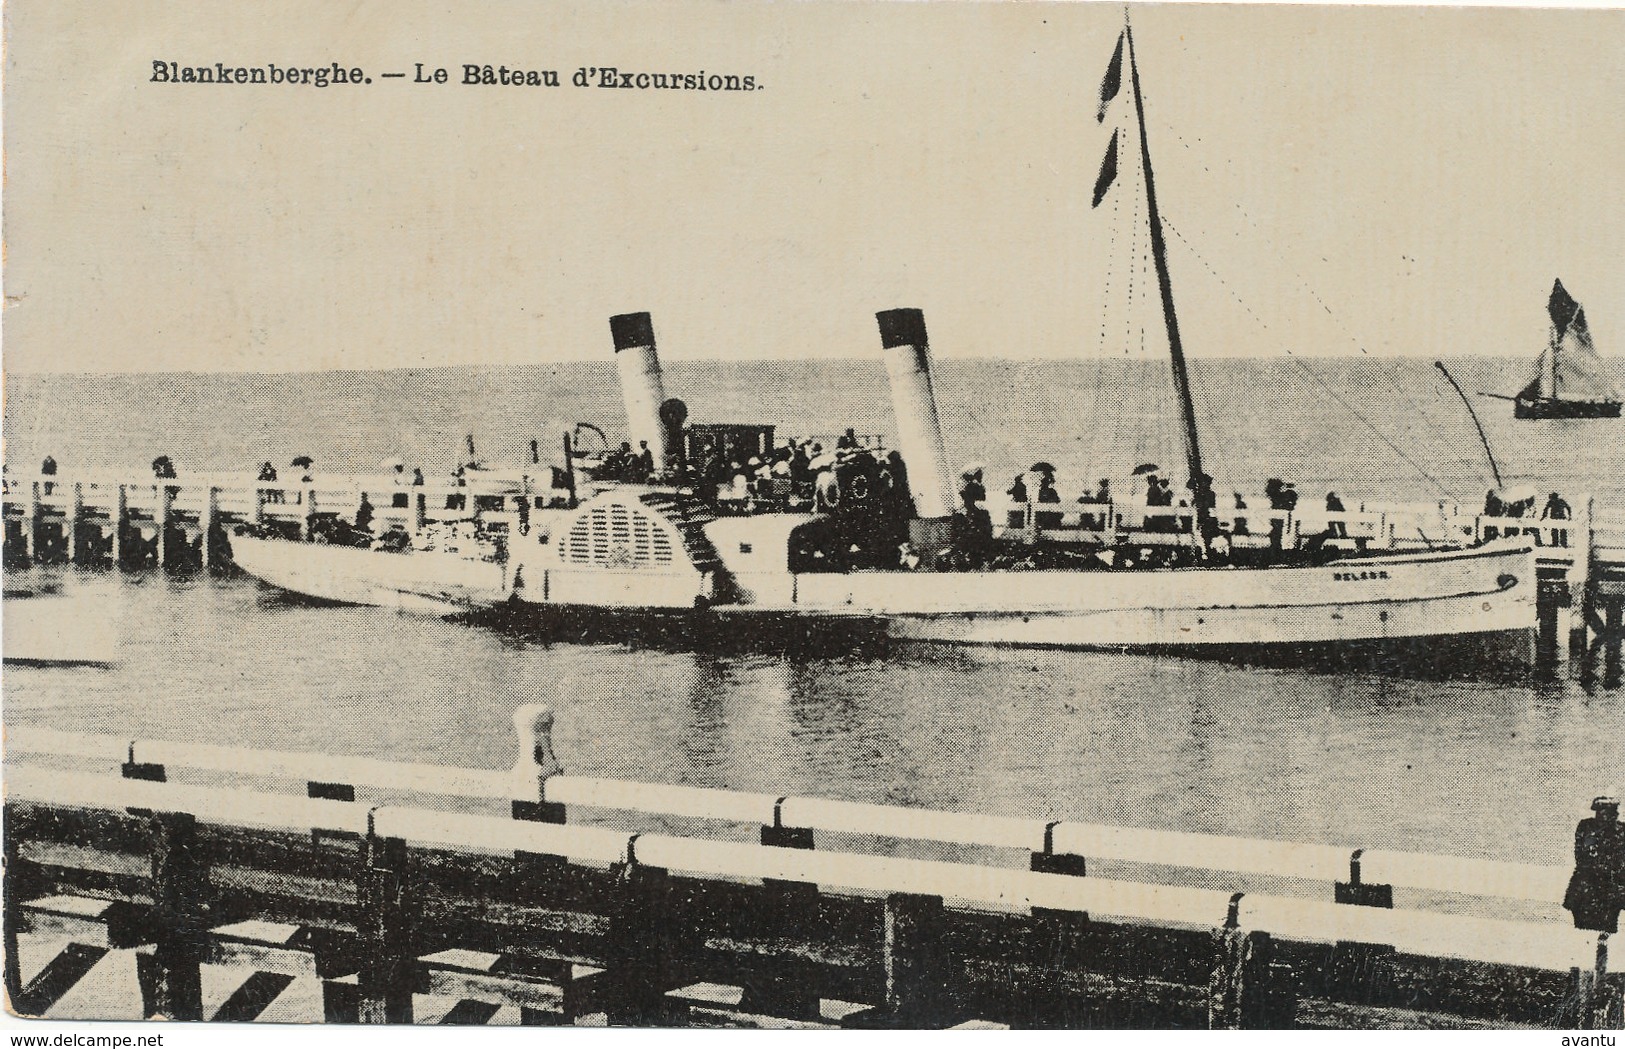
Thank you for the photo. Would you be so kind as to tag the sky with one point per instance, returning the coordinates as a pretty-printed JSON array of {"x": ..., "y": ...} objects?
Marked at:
[{"x": 1335, "y": 180}]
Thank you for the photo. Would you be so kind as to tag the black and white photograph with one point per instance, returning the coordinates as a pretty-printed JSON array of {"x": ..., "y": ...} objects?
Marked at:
[{"x": 813, "y": 516}]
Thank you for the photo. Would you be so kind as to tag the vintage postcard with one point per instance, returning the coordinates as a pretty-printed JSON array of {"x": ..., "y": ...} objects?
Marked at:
[{"x": 820, "y": 515}]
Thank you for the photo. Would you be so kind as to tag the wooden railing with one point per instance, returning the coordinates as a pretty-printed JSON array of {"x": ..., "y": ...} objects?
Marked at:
[{"x": 380, "y": 900}]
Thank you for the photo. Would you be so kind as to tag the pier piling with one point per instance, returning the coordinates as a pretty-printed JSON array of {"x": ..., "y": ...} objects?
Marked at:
[{"x": 179, "y": 882}]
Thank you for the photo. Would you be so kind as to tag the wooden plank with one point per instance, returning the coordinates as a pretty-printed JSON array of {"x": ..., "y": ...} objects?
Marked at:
[
  {"x": 1414, "y": 870},
  {"x": 60, "y": 975},
  {"x": 892, "y": 821},
  {"x": 698, "y": 802},
  {"x": 252, "y": 997}
]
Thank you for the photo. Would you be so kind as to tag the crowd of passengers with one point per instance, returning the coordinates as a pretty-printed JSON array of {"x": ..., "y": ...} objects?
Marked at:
[{"x": 786, "y": 478}]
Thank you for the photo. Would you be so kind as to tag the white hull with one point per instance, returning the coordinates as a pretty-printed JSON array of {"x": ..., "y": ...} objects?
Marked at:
[
  {"x": 419, "y": 581},
  {"x": 1486, "y": 591},
  {"x": 61, "y": 630},
  {"x": 1483, "y": 591}
]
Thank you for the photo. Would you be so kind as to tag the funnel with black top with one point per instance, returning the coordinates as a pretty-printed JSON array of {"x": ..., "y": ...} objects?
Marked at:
[{"x": 642, "y": 389}]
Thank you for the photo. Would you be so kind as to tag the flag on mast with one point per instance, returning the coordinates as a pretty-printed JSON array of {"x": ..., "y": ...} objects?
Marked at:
[
  {"x": 1108, "y": 172},
  {"x": 1113, "y": 82}
]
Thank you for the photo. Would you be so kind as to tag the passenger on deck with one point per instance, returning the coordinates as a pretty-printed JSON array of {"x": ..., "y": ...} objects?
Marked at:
[
  {"x": 644, "y": 463},
  {"x": 1159, "y": 493},
  {"x": 363, "y": 514},
  {"x": 417, "y": 476},
  {"x": 459, "y": 500},
  {"x": 1557, "y": 509},
  {"x": 48, "y": 469},
  {"x": 400, "y": 480},
  {"x": 1335, "y": 529},
  {"x": 1018, "y": 495},
  {"x": 1596, "y": 891},
  {"x": 849, "y": 439},
  {"x": 1205, "y": 502},
  {"x": 1241, "y": 522},
  {"x": 1048, "y": 494},
  {"x": 268, "y": 474},
  {"x": 1102, "y": 496},
  {"x": 972, "y": 493},
  {"x": 1281, "y": 497},
  {"x": 619, "y": 465},
  {"x": 799, "y": 471}
]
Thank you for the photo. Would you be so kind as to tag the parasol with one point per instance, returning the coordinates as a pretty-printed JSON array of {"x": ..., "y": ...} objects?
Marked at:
[
  {"x": 303, "y": 462},
  {"x": 1518, "y": 493},
  {"x": 1145, "y": 468}
]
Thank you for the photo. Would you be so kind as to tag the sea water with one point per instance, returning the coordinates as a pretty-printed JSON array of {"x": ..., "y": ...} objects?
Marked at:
[{"x": 1474, "y": 767}]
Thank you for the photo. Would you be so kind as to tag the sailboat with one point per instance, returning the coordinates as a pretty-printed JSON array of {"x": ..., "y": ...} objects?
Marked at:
[
  {"x": 1570, "y": 380},
  {"x": 664, "y": 549}
]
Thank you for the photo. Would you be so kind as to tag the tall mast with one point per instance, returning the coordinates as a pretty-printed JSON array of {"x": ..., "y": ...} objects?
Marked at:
[
  {"x": 1193, "y": 451},
  {"x": 1548, "y": 374}
]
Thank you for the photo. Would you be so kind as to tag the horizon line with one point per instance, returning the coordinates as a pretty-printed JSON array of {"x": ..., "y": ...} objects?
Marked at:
[{"x": 9, "y": 373}]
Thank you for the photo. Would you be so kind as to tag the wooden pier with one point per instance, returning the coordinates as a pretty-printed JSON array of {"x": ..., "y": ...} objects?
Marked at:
[
  {"x": 394, "y": 892},
  {"x": 186, "y": 522}
]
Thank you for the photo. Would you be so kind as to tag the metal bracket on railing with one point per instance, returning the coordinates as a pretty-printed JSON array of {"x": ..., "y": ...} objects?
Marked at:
[
  {"x": 148, "y": 771},
  {"x": 1232, "y": 917},
  {"x": 1359, "y": 893},
  {"x": 1051, "y": 862},
  {"x": 780, "y": 836}
]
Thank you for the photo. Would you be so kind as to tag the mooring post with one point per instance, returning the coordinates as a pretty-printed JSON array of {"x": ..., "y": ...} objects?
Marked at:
[
  {"x": 642, "y": 949},
  {"x": 915, "y": 960},
  {"x": 1064, "y": 930},
  {"x": 784, "y": 905},
  {"x": 31, "y": 529},
  {"x": 1248, "y": 991},
  {"x": 307, "y": 516},
  {"x": 211, "y": 516},
  {"x": 121, "y": 524},
  {"x": 419, "y": 511},
  {"x": 1613, "y": 637},
  {"x": 76, "y": 510},
  {"x": 166, "y": 505},
  {"x": 1357, "y": 967},
  {"x": 383, "y": 926},
  {"x": 179, "y": 880}
]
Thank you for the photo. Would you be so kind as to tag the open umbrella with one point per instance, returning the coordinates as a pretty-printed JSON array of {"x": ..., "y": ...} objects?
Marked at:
[
  {"x": 1145, "y": 468},
  {"x": 1518, "y": 493},
  {"x": 1041, "y": 468},
  {"x": 304, "y": 462}
]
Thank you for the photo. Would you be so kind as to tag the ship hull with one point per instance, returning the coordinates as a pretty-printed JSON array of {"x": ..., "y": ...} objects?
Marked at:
[
  {"x": 419, "y": 581},
  {"x": 1566, "y": 409},
  {"x": 1490, "y": 591},
  {"x": 1371, "y": 601}
]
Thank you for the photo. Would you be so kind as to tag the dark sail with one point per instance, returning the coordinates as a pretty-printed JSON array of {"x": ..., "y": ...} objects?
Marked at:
[{"x": 1571, "y": 379}]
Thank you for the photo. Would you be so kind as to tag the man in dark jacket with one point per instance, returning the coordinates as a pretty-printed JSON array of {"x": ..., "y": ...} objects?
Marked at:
[{"x": 1596, "y": 892}]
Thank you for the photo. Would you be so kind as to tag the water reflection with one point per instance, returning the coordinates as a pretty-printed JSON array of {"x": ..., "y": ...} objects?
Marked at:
[{"x": 1458, "y": 766}]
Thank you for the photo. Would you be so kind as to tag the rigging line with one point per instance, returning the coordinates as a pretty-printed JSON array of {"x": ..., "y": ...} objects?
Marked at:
[
  {"x": 1303, "y": 366},
  {"x": 1105, "y": 320},
  {"x": 1388, "y": 376}
]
